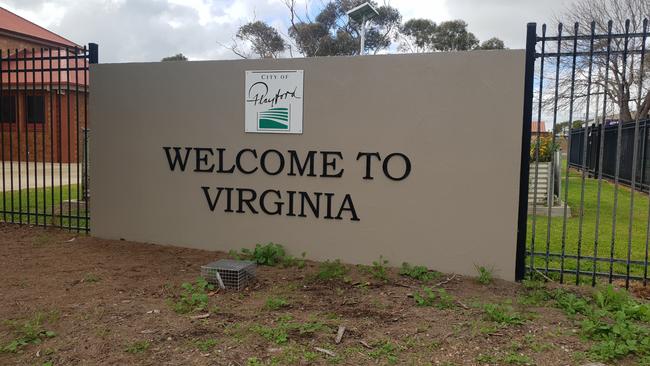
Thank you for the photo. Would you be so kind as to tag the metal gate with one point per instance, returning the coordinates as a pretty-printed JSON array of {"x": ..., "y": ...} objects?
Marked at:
[
  {"x": 584, "y": 215},
  {"x": 44, "y": 142}
]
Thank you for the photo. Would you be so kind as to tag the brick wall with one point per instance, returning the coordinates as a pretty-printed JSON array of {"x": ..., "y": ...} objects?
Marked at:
[
  {"x": 9, "y": 43},
  {"x": 24, "y": 141}
]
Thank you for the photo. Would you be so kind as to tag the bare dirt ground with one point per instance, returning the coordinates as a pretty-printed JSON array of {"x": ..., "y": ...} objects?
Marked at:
[{"x": 98, "y": 302}]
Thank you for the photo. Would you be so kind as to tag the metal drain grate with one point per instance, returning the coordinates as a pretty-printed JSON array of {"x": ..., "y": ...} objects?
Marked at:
[{"x": 234, "y": 274}]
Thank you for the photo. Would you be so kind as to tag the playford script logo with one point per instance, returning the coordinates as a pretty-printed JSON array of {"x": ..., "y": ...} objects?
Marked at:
[{"x": 274, "y": 101}]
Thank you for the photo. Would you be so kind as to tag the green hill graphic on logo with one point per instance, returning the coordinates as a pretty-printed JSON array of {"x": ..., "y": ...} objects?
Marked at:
[{"x": 273, "y": 119}]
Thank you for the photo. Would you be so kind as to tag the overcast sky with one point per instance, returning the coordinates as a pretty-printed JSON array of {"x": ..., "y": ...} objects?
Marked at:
[{"x": 147, "y": 30}]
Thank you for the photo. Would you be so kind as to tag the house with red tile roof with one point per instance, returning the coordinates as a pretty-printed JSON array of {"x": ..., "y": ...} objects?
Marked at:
[
  {"x": 541, "y": 125},
  {"x": 43, "y": 90}
]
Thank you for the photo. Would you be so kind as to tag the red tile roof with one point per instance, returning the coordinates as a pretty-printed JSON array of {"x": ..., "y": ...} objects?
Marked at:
[
  {"x": 66, "y": 68},
  {"x": 534, "y": 124},
  {"x": 14, "y": 24}
]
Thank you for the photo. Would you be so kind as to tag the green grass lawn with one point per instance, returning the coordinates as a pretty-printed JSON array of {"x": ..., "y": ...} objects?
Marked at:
[
  {"x": 36, "y": 206},
  {"x": 573, "y": 240}
]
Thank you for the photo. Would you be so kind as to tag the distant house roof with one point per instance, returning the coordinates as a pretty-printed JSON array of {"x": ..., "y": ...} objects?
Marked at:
[
  {"x": 542, "y": 126},
  {"x": 19, "y": 27}
]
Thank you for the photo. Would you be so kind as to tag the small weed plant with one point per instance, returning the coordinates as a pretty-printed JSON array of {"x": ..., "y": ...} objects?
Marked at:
[
  {"x": 276, "y": 303},
  {"x": 254, "y": 361},
  {"x": 484, "y": 275},
  {"x": 290, "y": 261},
  {"x": 270, "y": 254},
  {"x": 420, "y": 273},
  {"x": 616, "y": 323},
  {"x": 517, "y": 359},
  {"x": 502, "y": 314},
  {"x": 91, "y": 278},
  {"x": 266, "y": 255},
  {"x": 28, "y": 332},
  {"x": 385, "y": 351},
  {"x": 428, "y": 297},
  {"x": 206, "y": 345},
  {"x": 279, "y": 334},
  {"x": 137, "y": 347},
  {"x": 535, "y": 293},
  {"x": 331, "y": 270},
  {"x": 379, "y": 269},
  {"x": 193, "y": 297}
]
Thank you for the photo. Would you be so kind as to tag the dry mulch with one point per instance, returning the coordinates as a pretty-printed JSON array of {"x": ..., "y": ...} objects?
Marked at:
[{"x": 101, "y": 297}]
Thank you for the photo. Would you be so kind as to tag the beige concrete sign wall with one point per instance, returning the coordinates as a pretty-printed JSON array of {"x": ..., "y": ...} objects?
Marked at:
[{"x": 413, "y": 157}]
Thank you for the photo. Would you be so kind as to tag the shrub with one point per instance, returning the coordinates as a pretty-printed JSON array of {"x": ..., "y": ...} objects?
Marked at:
[
  {"x": 546, "y": 148},
  {"x": 266, "y": 255},
  {"x": 270, "y": 254}
]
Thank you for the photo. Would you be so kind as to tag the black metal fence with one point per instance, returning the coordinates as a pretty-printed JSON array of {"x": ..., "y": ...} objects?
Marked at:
[
  {"x": 609, "y": 152},
  {"x": 596, "y": 76},
  {"x": 44, "y": 136}
]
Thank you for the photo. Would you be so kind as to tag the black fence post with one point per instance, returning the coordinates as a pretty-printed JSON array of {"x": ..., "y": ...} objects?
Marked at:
[
  {"x": 93, "y": 53},
  {"x": 531, "y": 42}
]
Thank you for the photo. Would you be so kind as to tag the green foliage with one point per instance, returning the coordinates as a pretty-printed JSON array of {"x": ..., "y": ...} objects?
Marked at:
[
  {"x": 266, "y": 255},
  {"x": 493, "y": 43},
  {"x": 535, "y": 293},
  {"x": 276, "y": 303},
  {"x": 270, "y": 254},
  {"x": 502, "y": 314},
  {"x": 193, "y": 297},
  {"x": 517, "y": 359},
  {"x": 310, "y": 356},
  {"x": 440, "y": 299},
  {"x": 546, "y": 149},
  {"x": 279, "y": 334},
  {"x": 423, "y": 35},
  {"x": 486, "y": 358},
  {"x": 265, "y": 40},
  {"x": 28, "y": 332},
  {"x": 617, "y": 323},
  {"x": 254, "y": 361},
  {"x": 378, "y": 270},
  {"x": 290, "y": 261},
  {"x": 570, "y": 303},
  {"x": 385, "y": 350},
  {"x": 484, "y": 275},
  {"x": 330, "y": 33},
  {"x": 91, "y": 278},
  {"x": 419, "y": 34},
  {"x": 206, "y": 345},
  {"x": 176, "y": 57},
  {"x": 137, "y": 347},
  {"x": 420, "y": 273},
  {"x": 331, "y": 270},
  {"x": 453, "y": 35}
]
